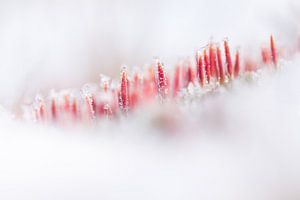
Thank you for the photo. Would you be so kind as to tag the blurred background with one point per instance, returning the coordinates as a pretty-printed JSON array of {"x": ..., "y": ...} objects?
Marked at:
[
  {"x": 239, "y": 144},
  {"x": 48, "y": 44}
]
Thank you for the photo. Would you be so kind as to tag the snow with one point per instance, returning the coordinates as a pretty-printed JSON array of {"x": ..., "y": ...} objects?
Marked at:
[{"x": 241, "y": 143}]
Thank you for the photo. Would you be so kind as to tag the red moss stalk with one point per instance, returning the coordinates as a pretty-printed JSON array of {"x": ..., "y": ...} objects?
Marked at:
[
  {"x": 184, "y": 76},
  {"x": 53, "y": 109},
  {"x": 136, "y": 80},
  {"x": 149, "y": 85},
  {"x": 273, "y": 51},
  {"x": 228, "y": 59},
  {"x": 40, "y": 109},
  {"x": 207, "y": 66},
  {"x": 237, "y": 65},
  {"x": 201, "y": 72},
  {"x": 191, "y": 74},
  {"x": 89, "y": 102},
  {"x": 266, "y": 56},
  {"x": 135, "y": 97},
  {"x": 67, "y": 103},
  {"x": 162, "y": 81},
  {"x": 75, "y": 109},
  {"x": 213, "y": 61},
  {"x": 176, "y": 81},
  {"x": 42, "y": 112},
  {"x": 124, "y": 91},
  {"x": 220, "y": 66},
  {"x": 94, "y": 104}
]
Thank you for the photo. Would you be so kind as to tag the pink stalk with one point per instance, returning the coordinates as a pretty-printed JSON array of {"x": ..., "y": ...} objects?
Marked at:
[
  {"x": 135, "y": 93},
  {"x": 124, "y": 92},
  {"x": 176, "y": 81},
  {"x": 201, "y": 72},
  {"x": 162, "y": 81},
  {"x": 237, "y": 64},
  {"x": 184, "y": 78},
  {"x": 42, "y": 112},
  {"x": 150, "y": 85},
  {"x": 94, "y": 104},
  {"x": 266, "y": 55},
  {"x": 207, "y": 66},
  {"x": 89, "y": 102},
  {"x": 67, "y": 103},
  {"x": 75, "y": 109},
  {"x": 273, "y": 51},
  {"x": 191, "y": 74},
  {"x": 213, "y": 61},
  {"x": 53, "y": 109},
  {"x": 228, "y": 59},
  {"x": 220, "y": 66}
]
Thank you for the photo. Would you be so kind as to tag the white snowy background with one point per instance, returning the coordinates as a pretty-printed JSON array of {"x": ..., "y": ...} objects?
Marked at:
[{"x": 242, "y": 144}]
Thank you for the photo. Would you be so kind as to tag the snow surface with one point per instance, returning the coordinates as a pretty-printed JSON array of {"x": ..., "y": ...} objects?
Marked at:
[{"x": 242, "y": 143}]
